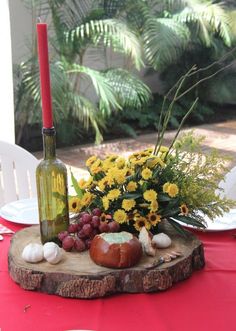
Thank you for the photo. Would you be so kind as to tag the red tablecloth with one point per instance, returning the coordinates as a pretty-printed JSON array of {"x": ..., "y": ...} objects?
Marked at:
[{"x": 206, "y": 301}]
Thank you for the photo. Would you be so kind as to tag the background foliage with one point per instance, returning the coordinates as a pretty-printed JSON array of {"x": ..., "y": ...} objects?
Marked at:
[{"x": 163, "y": 37}]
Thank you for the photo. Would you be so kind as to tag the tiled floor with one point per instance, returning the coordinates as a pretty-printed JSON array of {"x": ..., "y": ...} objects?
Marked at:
[{"x": 221, "y": 136}]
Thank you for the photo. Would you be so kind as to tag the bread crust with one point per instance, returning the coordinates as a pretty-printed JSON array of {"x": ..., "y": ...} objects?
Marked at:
[{"x": 115, "y": 255}]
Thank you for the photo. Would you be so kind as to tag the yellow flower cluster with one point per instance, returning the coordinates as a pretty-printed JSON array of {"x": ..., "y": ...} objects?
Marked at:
[{"x": 130, "y": 190}]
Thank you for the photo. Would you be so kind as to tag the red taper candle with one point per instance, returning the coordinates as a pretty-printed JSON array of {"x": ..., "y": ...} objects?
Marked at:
[{"x": 44, "y": 75}]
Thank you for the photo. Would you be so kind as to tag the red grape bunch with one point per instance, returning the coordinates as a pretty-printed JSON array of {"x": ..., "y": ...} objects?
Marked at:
[{"x": 79, "y": 235}]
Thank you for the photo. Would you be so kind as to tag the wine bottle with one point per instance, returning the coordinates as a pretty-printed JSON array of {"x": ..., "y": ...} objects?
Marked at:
[{"x": 51, "y": 177}]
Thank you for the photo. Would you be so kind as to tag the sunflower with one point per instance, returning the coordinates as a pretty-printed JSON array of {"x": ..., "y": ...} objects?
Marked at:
[
  {"x": 87, "y": 199},
  {"x": 120, "y": 216},
  {"x": 74, "y": 204},
  {"x": 131, "y": 186},
  {"x": 140, "y": 222},
  {"x": 153, "y": 218},
  {"x": 128, "y": 204},
  {"x": 150, "y": 195},
  {"x": 184, "y": 209},
  {"x": 103, "y": 217},
  {"x": 146, "y": 173}
]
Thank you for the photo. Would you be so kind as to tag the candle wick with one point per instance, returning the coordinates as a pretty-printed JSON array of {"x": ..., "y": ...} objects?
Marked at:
[{"x": 39, "y": 19}]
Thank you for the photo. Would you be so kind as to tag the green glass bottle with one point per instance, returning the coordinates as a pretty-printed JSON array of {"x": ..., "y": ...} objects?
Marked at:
[{"x": 51, "y": 177}]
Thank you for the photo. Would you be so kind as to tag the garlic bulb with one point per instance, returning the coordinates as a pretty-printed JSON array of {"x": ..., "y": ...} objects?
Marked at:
[
  {"x": 161, "y": 240},
  {"x": 33, "y": 253},
  {"x": 52, "y": 252},
  {"x": 146, "y": 242}
]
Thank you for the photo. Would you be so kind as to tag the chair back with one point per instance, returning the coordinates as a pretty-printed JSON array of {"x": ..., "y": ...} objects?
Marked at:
[{"x": 17, "y": 173}]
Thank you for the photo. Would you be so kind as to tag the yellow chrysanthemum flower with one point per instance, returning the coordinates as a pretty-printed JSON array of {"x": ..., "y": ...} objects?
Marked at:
[
  {"x": 119, "y": 176},
  {"x": 120, "y": 162},
  {"x": 150, "y": 195},
  {"x": 146, "y": 173},
  {"x": 105, "y": 203},
  {"x": 131, "y": 186},
  {"x": 128, "y": 204},
  {"x": 153, "y": 218},
  {"x": 184, "y": 209},
  {"x": 113, "y": 194},
  {"x": 120, "y": 216},
  {"x": 165, "y": 187},
  {"x": 112, "y": 157},
  {"x": 164, "y": 149},
  {"x": 89, "y": 182},
  {"x": 140, "y": 161},
  {"x": 173, "y": 190},
  {"x": 96, "y": 167},
  {"x": 140, "y": 222},
  {"x": 104, "y": 182},
  {"x": 87, "y": 199},
  {"x": 82, "y": 183},
  {"x": 153, "y": 206},
  {"x": 74, "y": 204},
  {"x": 107, "y": 164},
  {"x": 91, "y": 160},
  {"x": 153, "y": 161},
  {"x": 112, "y": 171}
]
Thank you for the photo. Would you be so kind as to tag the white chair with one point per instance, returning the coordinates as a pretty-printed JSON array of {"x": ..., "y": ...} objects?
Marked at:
[
  {"x": 229, "y": 185},
  {"x": 17, "y": 173}
]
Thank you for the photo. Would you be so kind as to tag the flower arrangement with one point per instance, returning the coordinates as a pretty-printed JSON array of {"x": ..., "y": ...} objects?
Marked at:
[{"x": 178, "y": 185}]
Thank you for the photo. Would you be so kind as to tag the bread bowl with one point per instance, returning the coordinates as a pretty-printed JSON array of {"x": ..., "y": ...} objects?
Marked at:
[{"x": 115, "y": 250}]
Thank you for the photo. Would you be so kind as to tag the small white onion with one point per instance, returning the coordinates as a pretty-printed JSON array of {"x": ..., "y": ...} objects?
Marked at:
[
  {"x": 33, "y": 253},
  {"x": 52, "y": 252},
  {"x": 161, "y": 240}
]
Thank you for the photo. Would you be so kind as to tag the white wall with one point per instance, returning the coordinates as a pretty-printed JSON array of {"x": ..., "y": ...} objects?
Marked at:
[
  {"x": 21, "y": 30},
  {"x": 7, "y": 128}
]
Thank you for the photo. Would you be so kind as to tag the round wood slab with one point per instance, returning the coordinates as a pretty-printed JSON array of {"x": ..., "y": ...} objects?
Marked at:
[{"x": 77, "y": 276}]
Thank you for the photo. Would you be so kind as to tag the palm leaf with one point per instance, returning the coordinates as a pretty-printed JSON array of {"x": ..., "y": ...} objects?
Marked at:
[
  {"x": 87, "y": 114},
  {"x": 210, "y": 18},
  {"x": 103, "y": 89},
  {"x": 129, "y": 90},
  {"x": 165, "y": 40},
  {"x": 113, "y": 33}
]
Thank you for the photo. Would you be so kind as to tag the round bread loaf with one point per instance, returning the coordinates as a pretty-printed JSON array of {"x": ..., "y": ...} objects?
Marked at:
[{"x": 115, "y": 250}]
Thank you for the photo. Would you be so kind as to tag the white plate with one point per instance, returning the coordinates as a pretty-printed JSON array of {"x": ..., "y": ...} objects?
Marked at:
[
  {"x": 221, "y": 223},
  {"x": 23, "y": 211}
]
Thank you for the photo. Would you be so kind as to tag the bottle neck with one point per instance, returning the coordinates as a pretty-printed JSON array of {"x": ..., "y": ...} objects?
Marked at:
[{"x": 49, "y": 143}]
